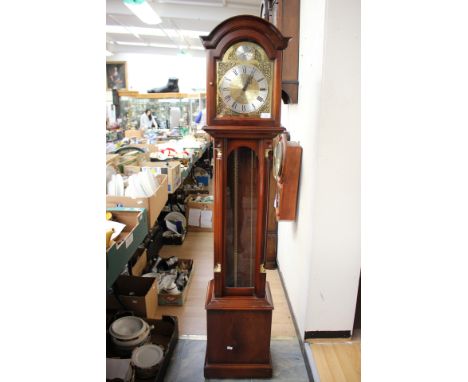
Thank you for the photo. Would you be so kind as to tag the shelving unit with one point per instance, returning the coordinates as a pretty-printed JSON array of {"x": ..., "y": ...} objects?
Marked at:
[{"x": 133, "y": 104}]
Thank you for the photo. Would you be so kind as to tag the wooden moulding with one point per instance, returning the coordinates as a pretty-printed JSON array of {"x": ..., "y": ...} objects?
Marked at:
[
  {"x": 247, "y": 302},
  {"x": 243, "y": 132}
]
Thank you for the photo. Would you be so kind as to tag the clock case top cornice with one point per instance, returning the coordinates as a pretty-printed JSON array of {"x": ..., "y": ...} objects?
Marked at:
[{"x": 234, "y": 29}]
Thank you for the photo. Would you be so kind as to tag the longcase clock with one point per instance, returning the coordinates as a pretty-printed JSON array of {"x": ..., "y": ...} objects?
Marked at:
[{"x": 244, "y": 65}]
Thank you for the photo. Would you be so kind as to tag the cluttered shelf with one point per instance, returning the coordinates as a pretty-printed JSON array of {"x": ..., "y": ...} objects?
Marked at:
[
  {"x": 157, "y": 180},
  {"x": 148, "y": 180},
  {"x": 135, "y": 94}
]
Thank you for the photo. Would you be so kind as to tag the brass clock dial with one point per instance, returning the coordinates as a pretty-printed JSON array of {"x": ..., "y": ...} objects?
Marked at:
[
  {"x": 244, "y": 89},
  {"x": 244, "y": 82}
]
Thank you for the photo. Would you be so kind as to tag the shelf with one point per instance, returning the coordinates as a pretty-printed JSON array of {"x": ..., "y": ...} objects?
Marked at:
[{"x": 135, "y": 94}]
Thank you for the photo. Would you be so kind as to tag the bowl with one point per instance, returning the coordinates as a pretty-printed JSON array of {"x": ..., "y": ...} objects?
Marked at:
[{"x": 128, "y": 328}]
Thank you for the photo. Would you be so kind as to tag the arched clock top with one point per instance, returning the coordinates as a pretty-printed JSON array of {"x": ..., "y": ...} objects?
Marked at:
[{"x": 236, "y": 29}]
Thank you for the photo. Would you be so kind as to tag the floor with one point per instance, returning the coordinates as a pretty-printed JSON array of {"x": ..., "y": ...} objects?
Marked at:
[
  {"x": 192, "y": 315},
  {"x": 337, "y": 360},
  {"x": 188, "y": 358}
]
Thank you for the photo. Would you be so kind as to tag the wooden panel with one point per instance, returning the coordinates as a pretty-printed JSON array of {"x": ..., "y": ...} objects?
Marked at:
[
  {"x": 246, "y": 332},
  {"x": 285, "y": 15},
  {"x": 288, "y": 185}
]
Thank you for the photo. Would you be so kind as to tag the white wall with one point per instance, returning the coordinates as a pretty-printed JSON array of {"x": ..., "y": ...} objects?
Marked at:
[
  {"x": 148, "y": 71},
  {"x": 319, "y": 254}
]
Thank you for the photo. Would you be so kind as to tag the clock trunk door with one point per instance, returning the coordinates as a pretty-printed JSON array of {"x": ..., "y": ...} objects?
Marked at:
[{"x": 241, "y": 201}]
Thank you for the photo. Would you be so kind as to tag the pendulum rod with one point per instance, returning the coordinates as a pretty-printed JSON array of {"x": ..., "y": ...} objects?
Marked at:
[{"x": 236, "y": 207}]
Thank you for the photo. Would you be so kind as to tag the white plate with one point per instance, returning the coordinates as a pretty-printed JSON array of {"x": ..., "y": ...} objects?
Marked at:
[
  {"x": 151, "y": 181},
  {"x": 147, "y": 356},
  {"x": 138, "y": 190},
  {"x": 119, "y": 185},
  {"x": 110, "y": 188},
  {"x": 145, "y": 184}
]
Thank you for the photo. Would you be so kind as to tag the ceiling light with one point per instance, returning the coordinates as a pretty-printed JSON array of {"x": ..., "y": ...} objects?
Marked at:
[
  {"x": 143, "y": 11},
  {"x": 142, "y": 31},
  {"x": 131, "y": 43}
]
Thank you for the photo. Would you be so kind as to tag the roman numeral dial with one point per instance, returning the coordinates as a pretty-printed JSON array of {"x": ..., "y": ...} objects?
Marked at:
[{"x": 243, "y": 89}]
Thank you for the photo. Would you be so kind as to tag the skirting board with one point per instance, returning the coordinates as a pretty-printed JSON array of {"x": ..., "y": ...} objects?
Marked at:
[{"x": 325, "y": 334}]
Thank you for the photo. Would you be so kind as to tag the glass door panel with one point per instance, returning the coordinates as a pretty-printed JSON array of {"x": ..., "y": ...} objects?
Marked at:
[{"x": 241, "y": 215}]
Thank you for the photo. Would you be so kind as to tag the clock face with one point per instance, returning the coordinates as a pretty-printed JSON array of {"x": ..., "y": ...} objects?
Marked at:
[
  {"x": 244, "y": 82},
  {"x": 245, "y": 52},
  {"x": 244, "y": 89}
]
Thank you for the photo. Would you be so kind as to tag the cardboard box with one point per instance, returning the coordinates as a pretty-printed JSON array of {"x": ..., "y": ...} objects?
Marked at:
[
  {"x": 138, "y": 262},
  {"x": 165, "y": 298},
  {"x": 169, "y": 168},
  {"x": 121, "y": 250},
  {"x": 137, "y": 294},
  {"x": 154, "y": 204},
  {"x": 132, "y": 159},
  {"x": 132, "y": 133},
  {"x": 199, "y": 215}
]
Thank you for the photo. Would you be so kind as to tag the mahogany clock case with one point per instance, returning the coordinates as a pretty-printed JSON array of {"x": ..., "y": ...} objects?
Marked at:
[{"x": 239, "y": 305}]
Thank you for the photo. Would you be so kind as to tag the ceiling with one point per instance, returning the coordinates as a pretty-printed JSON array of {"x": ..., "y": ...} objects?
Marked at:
[{"x": 183, "y": 21}]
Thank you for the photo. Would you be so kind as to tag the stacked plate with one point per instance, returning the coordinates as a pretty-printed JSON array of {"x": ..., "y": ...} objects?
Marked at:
[
  {"x": 141, "y": 185},
  {"x": 129, "y": 332},
  {"x": 146, "y": 360},
  {"x": 115, "y": 187}
]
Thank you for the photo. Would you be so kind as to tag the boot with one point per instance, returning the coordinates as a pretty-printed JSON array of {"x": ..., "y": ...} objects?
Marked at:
[{"x": 171, "y": 87}]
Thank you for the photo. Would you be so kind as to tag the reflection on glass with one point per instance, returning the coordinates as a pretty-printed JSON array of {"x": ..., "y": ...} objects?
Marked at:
[{"x": 241, "y": 212}]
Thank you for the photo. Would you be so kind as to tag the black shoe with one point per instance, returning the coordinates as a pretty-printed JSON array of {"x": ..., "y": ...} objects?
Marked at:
[{"x": 171, "y": 87}]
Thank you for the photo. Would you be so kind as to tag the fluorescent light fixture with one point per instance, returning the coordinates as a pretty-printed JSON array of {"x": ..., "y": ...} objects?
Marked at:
[
  {"x": 109, "y": 53},
  {"x": 161, "y": 45},
  {"x": 142, "y": 31},
  {"x": 143, "y": 11},
  {"x": 131, "y": 43}
]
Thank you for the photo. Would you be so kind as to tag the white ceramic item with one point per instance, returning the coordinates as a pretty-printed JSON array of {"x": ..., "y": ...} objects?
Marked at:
[
  {"x": 119, "y": 185},
  {"x": 127, "y": 328},
  {"x": 146, "y": 359}
]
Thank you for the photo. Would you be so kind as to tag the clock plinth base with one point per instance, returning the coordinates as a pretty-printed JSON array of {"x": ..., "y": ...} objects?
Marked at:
[
  {"x": 243, "y": 370},
  {"x": 238, "y": 336}
]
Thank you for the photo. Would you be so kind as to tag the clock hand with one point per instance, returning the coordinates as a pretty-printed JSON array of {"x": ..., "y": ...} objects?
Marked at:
[{"x": 247, "y": 83}]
